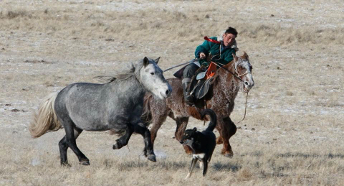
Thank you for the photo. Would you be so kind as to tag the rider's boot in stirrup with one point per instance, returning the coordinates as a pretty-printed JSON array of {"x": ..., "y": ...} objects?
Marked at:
[{"x": 189, "y": 99}]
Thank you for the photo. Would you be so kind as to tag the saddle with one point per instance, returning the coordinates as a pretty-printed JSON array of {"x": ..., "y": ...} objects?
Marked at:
[{"x": 201, "y": 83}]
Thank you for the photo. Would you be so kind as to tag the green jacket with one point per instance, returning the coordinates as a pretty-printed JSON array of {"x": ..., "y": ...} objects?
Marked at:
[{"x": 214, "y": 49}]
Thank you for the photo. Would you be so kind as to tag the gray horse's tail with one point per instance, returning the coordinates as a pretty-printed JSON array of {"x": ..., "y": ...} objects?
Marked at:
[
  {"x": 146, "y": 115},
  {"x": 45, "y": 120}
]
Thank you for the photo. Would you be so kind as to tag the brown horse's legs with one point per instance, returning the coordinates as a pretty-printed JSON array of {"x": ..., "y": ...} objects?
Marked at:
[
  {"x": 154, "y": 131},
  {"x": 157, "y": 122},
  {"x": 181, "y": 126},
  {"x": 227, "y": 129},
  {"x": 219, "y": 140}
]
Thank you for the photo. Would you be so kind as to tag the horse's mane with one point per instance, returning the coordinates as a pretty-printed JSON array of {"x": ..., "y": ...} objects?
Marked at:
[{"x": 125, "y": 73}]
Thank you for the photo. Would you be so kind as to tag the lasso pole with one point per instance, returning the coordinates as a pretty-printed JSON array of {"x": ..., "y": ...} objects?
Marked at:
[{"x": 175, "y": 66}]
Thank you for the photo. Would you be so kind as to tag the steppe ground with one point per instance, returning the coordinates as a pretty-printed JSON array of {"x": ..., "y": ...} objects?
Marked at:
[{"x": 293, "y": 131}]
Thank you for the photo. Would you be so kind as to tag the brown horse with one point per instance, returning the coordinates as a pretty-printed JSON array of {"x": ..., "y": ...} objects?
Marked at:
[{"x": 227, "y": 82}]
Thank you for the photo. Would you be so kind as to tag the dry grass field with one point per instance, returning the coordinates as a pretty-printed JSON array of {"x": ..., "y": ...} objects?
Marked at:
[{"x": 293, "y": 131}]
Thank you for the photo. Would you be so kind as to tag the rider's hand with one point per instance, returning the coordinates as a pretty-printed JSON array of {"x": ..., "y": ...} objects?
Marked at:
[
  {"x": 202, "y": 55},
  {"x": 204, "y": 66}
]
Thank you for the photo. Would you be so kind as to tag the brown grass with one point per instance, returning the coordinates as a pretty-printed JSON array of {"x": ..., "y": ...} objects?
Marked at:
[{"x": 292, "y": 134}]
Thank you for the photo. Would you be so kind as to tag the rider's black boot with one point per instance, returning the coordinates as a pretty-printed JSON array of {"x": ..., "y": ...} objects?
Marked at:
[{"x": 189, "y": 99}]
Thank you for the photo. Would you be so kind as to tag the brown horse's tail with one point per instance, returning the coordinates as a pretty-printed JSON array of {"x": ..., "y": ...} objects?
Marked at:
[
  {"x": 45, "y": 120},
  {"x": 146, "y": 115}
]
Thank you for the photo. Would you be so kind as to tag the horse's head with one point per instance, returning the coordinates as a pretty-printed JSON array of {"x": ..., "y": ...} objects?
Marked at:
[
  {"x": 152, "y": 78},
  {"x": 243, "y": 69}
]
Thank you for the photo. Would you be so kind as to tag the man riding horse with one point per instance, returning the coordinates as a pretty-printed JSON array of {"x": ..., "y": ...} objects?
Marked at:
[{"x": 219, "y": 50}]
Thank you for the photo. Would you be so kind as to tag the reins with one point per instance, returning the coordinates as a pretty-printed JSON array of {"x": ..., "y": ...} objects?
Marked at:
[
  {"x": 245, "y": 109},
  {"x": 228, "y": 71}
]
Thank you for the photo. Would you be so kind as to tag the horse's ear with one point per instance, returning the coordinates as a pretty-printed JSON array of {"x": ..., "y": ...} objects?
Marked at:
[
  {"x": 157, "y": 60},
  {"x": 145, "y": 61},
  {"x": 245, "y": 56},
  {"x": 235, "y": 57}
]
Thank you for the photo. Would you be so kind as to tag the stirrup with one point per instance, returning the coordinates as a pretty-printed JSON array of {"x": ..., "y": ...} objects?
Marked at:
[{"x": 189, "y": 99}]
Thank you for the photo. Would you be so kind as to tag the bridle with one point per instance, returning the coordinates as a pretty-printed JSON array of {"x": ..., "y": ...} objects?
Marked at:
[
  {"x": 236, "y": 73},
  {"x": 236, "y": 69}
]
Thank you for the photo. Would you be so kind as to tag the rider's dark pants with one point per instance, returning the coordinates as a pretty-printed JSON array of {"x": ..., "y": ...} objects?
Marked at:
[{"x": 188, "y": 72}]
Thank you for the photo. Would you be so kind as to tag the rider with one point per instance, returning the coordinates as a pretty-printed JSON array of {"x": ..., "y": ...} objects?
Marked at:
[{"x": 220, "y": 50}]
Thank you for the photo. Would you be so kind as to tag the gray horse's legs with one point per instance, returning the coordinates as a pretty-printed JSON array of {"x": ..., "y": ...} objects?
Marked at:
[
  {"x": 69, "y": 140},
  {"x": 122, "y": 141},
  {"x": 140, "y": 129},
  {"x": 72, "y": 133},
  {"x": 63, "y": 151},
  {"x": 148, "y": 150}
]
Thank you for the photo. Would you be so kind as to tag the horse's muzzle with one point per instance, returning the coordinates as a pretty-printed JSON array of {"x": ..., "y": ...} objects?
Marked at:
[
  {"x": 168, "y": 92},
  {"x": 248, "y": 85}
]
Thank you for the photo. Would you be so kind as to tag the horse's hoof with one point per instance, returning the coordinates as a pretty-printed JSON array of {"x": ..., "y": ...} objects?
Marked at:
[
  {"x": 228, "y": 154},
  {"x": 145, "y": 152},
  {"x": 116, "y": 146},
  {"x": 84, "y": 162},
  {"x": 219, "y": 140},
  {"x": 151, "y": 157},
  {"x": 65, "y": 164}
]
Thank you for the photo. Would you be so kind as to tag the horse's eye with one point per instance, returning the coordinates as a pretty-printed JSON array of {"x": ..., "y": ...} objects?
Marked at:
[{"x": 152, "y": 73}]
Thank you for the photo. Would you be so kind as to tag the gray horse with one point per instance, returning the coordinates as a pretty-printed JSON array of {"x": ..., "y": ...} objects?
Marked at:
[{"x": 116, "y": 105}]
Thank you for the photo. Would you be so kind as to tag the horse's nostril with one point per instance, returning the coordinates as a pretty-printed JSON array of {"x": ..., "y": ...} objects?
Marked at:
[
  {"x": 167, "y": 92},
  {"x": 246, "y": 83}
]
